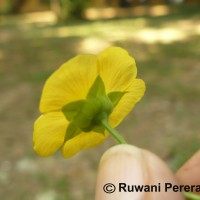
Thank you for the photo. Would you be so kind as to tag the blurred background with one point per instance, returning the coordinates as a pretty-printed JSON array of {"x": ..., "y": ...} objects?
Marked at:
[{"x": 37, "y": 36}]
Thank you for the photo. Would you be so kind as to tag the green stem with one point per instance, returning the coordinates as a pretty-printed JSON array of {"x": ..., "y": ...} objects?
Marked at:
[
  {"x": 191, "y": 196},
  {"x": 112, "y": 131}
]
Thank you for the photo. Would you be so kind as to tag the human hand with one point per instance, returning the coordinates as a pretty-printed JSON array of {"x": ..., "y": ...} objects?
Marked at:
[{"x": 128, "y": 166}]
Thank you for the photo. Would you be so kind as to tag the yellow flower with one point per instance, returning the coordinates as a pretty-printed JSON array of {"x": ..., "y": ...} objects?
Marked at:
[{"x": 78, "y": 94}]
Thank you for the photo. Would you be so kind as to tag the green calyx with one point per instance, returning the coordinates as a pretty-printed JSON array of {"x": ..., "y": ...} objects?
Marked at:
[
  {"x": 87, "y": 115},
  {"x": 91, "y": 113}
]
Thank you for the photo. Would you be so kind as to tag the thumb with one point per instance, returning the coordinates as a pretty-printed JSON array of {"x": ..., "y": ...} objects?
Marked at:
[{"x": 125, "y": 167}]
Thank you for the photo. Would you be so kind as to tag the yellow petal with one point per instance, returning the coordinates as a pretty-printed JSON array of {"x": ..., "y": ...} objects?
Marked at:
[
  {"x": 134, "y": 93},
  {"x": 69, "y": 83},
  {"x": 49, "y": 133},
  {"x": 82, "y": 141},
  {"x": 116, "y": 68}
]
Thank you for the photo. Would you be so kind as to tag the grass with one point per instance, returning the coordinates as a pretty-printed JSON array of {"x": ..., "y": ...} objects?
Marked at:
[{"x": 166, "y": 121}]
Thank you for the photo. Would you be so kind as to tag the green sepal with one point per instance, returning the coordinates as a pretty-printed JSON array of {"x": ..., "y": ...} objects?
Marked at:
[
  {"x": 84, "y": 118},
  {"x": 99, "y": 129},
  {"x": 97, "y": 89},
  {"x": 91, "y": 111},
  {"x": 72, "y": 131},
  {"x": 71, "y": 109},
  {"x": 115, "y": 97}
]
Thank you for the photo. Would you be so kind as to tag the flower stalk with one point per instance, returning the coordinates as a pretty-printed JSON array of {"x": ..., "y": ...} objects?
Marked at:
[
  {"x": 112, "y": 131},
  {"x": 191, "y": 196}
]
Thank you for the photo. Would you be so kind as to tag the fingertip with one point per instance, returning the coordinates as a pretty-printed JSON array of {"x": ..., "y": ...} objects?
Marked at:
[
  {"x": 121, "y": 164},
  {"x": 121, "y": 150}
]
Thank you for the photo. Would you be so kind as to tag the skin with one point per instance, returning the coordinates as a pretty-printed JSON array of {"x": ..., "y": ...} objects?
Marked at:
[{"x": 128, "y": 164}]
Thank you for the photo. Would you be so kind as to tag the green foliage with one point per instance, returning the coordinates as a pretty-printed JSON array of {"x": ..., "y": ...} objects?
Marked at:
[
  {"x": 69, "y": 8},
  {"x": 10, "y": 6},
  {"x": 77, "y": 7},
  {"x": 7, "y": 7}
]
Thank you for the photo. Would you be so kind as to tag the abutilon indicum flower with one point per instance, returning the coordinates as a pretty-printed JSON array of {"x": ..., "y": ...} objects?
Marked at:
[{"x": 84, "y": 99}]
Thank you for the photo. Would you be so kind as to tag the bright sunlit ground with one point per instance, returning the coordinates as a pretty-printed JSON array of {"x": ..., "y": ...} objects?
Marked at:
[{"x": 166, "y": 121}]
